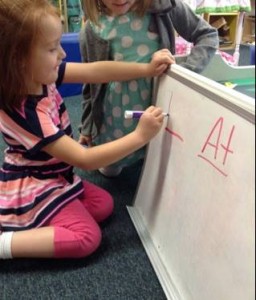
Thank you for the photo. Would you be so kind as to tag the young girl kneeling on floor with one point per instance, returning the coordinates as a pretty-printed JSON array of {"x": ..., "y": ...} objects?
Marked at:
[{"x": 45, "y": 209}]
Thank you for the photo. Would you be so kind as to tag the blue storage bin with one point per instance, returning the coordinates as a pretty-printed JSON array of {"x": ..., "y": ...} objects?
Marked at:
[{"x": 70, "y": 44}]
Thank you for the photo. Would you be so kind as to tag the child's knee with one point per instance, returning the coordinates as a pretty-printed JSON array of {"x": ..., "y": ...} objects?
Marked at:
[
  {"x": 87, "y": 243},
  {"x": 98, "y": 202},
  {"x": 107, "y": 208},
  {"x": 104, "y": 208},
  {"x": 77, "y": 244}
]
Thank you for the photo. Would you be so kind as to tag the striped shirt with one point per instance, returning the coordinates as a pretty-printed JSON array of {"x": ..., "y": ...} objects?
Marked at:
[{"x": 34, "y": 185}]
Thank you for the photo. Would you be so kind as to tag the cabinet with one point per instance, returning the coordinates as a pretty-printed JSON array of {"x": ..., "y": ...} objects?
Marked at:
[
  {"x": 249, "y": 29},
  {"x": 249, "y": 25},
  {"x": 226, "y": 23}
]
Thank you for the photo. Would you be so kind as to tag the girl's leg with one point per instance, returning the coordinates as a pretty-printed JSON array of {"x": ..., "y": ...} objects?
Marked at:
[
  {"x": 31, "y": 243},
  {"x": 76, "y": 233},
  {"x": 80, "y": 236},
  {"x": 73, "y": 232},
  {"x": 97, "y": 201}
]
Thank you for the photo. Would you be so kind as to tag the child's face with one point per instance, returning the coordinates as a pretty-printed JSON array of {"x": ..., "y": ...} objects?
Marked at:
[
  {"x": 47, "y": 55},
  {"x": 118, "y": 7}
]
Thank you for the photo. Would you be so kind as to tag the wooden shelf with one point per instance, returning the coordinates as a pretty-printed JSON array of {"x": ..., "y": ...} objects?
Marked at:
[
  {"x": 249, "y": 29},
  {"x": 226, "y": 23}
]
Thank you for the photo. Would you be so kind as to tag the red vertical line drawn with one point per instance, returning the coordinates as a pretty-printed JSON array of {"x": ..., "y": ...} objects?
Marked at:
[
  {"x": 219, "y": 127},
  {"x": 168, "y": 129},
  {"x": 227, "y": 148},
  {"x": 174, "y": 134},
  {"x": 219, "y": 123},
  {"x": 208, "y": 161}
]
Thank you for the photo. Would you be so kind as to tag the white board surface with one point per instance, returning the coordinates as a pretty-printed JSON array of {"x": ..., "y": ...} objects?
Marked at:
[{"x": 195, "y": 205}]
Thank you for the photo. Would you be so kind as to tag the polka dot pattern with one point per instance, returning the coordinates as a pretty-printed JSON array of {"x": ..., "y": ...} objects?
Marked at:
[
  {"x": 127, "y": 42},
  {"x": 130, "y": 40},
  {"x": 143, "y": 50}
]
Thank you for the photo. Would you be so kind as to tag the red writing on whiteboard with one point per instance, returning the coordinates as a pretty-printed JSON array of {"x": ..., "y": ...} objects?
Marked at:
[
  {"x": 215, "y": 147},
  {"x": 175, "y": 134}
]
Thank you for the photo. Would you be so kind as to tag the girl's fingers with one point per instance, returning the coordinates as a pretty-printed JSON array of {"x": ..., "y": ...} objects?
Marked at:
[{"x": 167, "y": 52}]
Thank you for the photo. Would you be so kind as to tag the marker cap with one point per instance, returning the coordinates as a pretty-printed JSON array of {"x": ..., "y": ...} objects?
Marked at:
[{"x": 128, "y": 114}]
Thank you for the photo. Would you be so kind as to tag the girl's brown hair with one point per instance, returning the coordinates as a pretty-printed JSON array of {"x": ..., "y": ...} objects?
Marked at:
[
  {"x": 94, "y": 8},
  {"x": 19, "y": 30}
]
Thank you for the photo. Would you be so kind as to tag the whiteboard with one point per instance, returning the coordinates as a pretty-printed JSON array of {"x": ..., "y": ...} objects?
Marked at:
[{"x": 195, "y": 205}]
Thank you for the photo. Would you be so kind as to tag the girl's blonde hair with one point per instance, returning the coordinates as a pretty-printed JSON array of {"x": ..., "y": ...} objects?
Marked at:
[
  {"x": 94, "y": 8},
  {"x": 20, "y": 25}
]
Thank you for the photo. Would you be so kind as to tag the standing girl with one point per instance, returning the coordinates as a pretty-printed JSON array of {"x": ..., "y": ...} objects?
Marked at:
[
  {"x": 45, "y": 209},
  {"x": 132, "y": 30}
]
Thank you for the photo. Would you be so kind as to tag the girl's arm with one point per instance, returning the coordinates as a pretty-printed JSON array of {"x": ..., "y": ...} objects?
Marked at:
[
  {"x": 68, "y": 150},
  {"x": 196, "y": 30},
  {"x": 105, "y": 71}
]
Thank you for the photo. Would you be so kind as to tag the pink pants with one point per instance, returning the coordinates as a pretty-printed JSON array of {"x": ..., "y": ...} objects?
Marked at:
[{"x": 76, "y": 230}]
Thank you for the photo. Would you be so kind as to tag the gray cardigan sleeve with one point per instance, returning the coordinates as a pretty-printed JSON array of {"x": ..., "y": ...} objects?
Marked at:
[
  {"x": 85, "y": 127},
  {"x": 196, "y": 30},
  {"x": 92, "y": 49}
]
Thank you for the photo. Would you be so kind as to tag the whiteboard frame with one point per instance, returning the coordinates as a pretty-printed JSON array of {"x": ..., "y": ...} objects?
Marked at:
[
  {"x": 234, "y": 101},
  {"x": 164, "y": 278}
]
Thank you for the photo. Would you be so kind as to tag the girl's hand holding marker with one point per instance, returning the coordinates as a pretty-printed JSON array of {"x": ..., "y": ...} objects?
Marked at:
[{"x": 150, "y": 123}]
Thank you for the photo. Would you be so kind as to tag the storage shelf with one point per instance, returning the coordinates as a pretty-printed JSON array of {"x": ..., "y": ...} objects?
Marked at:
[
  {"x": 226, "y": 23},
  {"x": 249, "y": 29}
]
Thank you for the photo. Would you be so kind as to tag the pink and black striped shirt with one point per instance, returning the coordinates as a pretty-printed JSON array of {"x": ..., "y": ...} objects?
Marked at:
[{"x": 33, "y": 185}]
